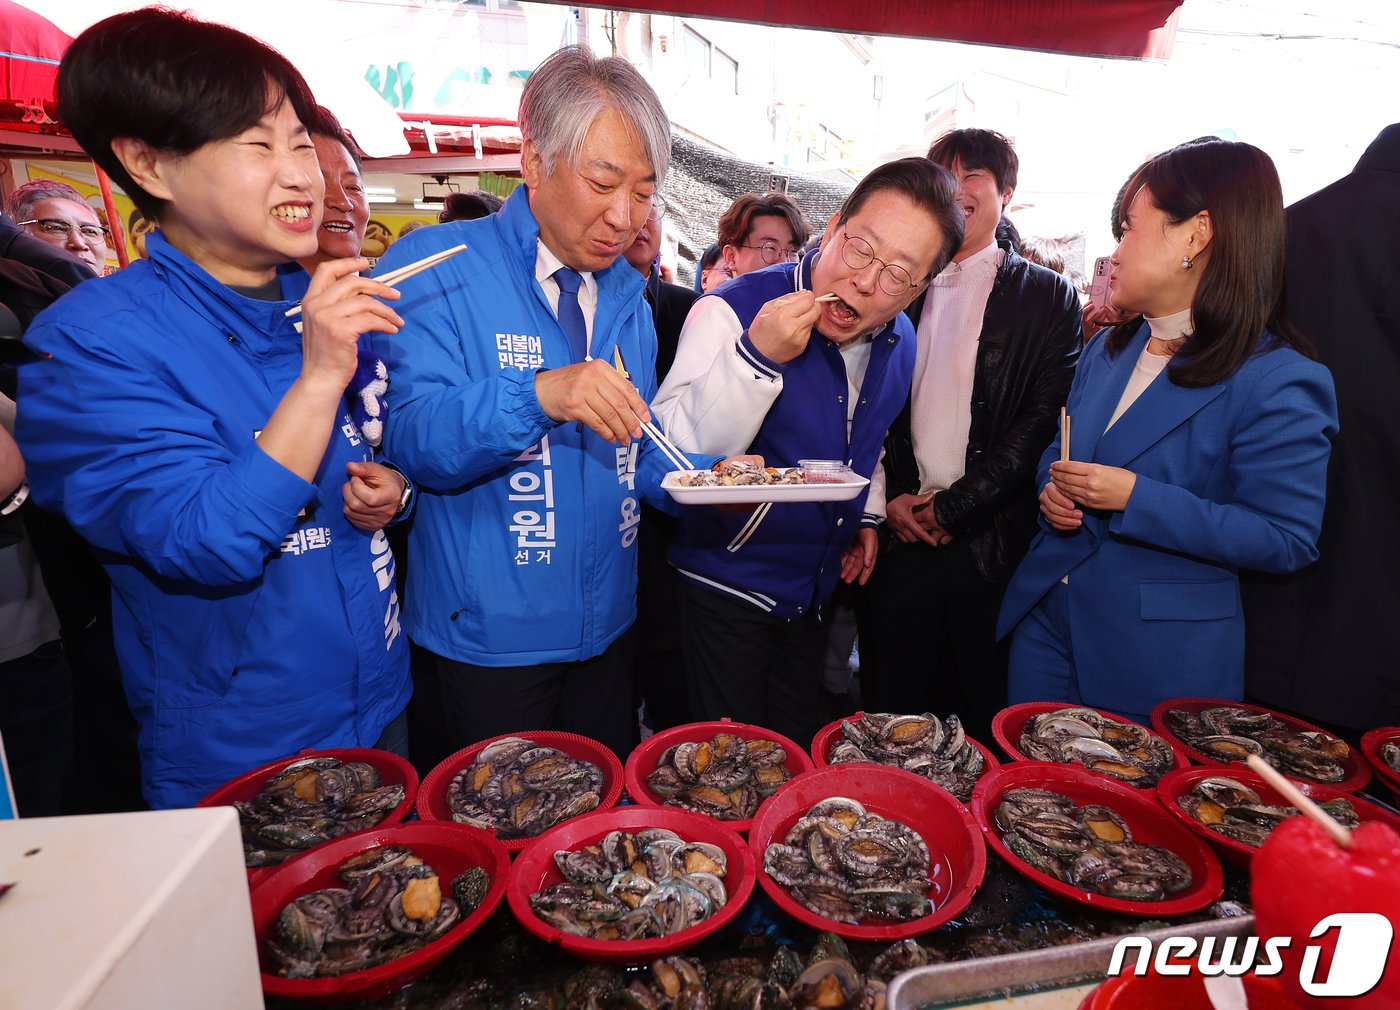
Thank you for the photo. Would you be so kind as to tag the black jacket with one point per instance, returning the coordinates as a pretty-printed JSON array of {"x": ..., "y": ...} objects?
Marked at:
[
  {"x": 1323, "y": 642},
  {"x": 670, "y": 304},
  {"x": 1031, "y": 335}
]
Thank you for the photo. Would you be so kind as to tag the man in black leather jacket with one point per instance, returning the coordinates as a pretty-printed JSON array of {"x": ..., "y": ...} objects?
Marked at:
[{"x": 998, "y": 340}]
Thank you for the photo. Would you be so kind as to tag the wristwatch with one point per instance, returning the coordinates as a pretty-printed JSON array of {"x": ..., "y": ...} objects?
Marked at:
[
  {"x": 407, "y": 495},
  {"x": 18, "y": 498}
]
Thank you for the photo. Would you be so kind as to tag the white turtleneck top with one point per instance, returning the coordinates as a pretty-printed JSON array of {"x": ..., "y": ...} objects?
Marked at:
[{"x": 1149, "y": 366}]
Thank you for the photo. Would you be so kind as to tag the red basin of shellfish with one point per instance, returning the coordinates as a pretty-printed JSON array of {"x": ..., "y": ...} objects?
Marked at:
[
  {"x": 1010, "y": 722},
  {"x": 1159, "y": 992},
  {"x": 1371, "y": 745},
  {"x": 1178, "y": 783},
  {"x": 450, "y": 849},
  {"x": 432, "y": 797},
  {"x": 1141, "y": 811},
  {"x": 959, "y": 859},
  {"x": 535, "y": 869},
  {"x": 642, "y": 761},
  {"x": 828, "y": 736},
  {"x": 1358, "y": 772},
  {"x": 393, "y": 771}
]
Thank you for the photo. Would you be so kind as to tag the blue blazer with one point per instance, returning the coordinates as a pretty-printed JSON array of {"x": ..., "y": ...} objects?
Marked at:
[{"x": 1229, "y": 476}]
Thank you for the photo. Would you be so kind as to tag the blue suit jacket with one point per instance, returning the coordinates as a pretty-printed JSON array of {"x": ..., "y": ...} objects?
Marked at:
[{"x": 1229, "y": 476}]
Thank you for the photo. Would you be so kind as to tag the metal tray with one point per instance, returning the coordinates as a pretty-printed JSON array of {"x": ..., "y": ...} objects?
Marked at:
[{"x": 1006, "y": 974}]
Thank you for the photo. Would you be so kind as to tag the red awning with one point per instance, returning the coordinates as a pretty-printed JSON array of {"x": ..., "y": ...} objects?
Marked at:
[
  {"x": 1142, "y": 29},
  {"x": 30, "y": 48}
]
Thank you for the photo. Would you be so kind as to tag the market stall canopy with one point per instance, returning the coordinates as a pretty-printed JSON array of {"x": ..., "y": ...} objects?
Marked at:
[
  {"x": 30, "y": 48},
  {"x": 338, "y": 85},
  {"x": 1140, "y": 29}
]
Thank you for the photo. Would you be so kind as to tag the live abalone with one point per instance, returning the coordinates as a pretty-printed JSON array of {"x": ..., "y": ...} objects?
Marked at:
[
  {"x": 845, "y": 863},
  {"x": 935, "y": 748},
  {"x": 517, "y": 788},
  {"x": 1230, "y": 808},
  {"x": 1229, "y": 733},
  {"x": 1120, "y": 750},
  {"x": 634, "y": 886},
  {"x": 725, "y": 777},
  {"x": 309, "y": 802},
  {"x": 1090, "y": 847},
  {"x": 392, "y": 904}
]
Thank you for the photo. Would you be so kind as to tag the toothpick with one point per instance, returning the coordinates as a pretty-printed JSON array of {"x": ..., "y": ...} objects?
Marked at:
[{"x": 1295, "y": 796}]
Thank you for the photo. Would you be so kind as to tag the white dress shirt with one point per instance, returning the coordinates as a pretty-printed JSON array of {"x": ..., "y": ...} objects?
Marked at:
[{"x": 545, "y": 265}]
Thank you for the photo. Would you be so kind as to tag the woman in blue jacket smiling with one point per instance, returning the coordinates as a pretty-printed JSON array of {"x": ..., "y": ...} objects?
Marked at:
[
  {"x": 196, "y": 440},
  {"x": 1200, "y": 439}
]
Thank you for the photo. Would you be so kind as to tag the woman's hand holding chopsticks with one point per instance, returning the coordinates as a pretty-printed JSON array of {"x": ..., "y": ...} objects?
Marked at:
[{"x": 339, "y": 306}]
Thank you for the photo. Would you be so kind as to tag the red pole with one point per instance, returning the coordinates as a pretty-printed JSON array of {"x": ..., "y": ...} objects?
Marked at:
[{"x": 118, "y": 229}]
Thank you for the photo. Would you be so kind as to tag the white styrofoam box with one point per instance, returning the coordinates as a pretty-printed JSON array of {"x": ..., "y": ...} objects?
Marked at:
[{"x": 126, "y": 912}]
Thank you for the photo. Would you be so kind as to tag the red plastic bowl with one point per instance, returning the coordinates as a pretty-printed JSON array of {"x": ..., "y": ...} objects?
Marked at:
[
  {"x": 393, "y": 771},
  {"x": 1140, "y": 809},
  {"x": 1157, "y": 992},
  {"x": 432, "y": 797},
  {"x": 1009, "y": 723},
  {"x": 642, "y": 761},
  {"x": 1358, "y": 771},
  {"x": 1178, "y": 783},
  {"x": 535, "y": 869},
  {"x": 450, "y": 849},
  {"x": 959, "y": 857},
  {"x": 828, "y": 736},
  {"x": 1371, "y": 745}
]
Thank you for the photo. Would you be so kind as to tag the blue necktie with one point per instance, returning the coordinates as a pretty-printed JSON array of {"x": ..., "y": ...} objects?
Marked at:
[{"x": 570, "y": 315}]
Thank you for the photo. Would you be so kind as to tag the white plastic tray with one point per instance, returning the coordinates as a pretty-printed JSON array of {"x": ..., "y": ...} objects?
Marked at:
[{"x": 754, "y": 494}]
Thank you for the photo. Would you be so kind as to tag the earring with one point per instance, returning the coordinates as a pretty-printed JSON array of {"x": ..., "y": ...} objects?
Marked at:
[{"x": 1186, "y": 262}]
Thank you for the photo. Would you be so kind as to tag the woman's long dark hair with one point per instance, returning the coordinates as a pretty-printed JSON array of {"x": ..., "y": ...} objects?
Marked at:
[{"x": 1241, "y": 290}]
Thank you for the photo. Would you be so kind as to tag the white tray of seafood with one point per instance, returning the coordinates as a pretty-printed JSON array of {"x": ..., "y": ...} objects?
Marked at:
[{"x": 745, "y": 483}]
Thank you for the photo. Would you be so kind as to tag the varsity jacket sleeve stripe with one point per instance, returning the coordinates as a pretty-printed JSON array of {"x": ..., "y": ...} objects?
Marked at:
[{"x": 720, "y": 388}]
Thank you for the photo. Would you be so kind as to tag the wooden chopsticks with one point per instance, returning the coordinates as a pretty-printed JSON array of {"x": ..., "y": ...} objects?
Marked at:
[
  {"x": 403, "y": 273},
  {"x": 1064, "y": 436},
  {"x": 678, "y": 459}
]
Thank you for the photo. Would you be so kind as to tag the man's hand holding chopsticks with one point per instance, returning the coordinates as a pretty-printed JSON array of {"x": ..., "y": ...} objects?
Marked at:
[
  {"x": 339, "y": 306},
  {"x": 596, "y": 394},
  {"x": 783, "y": 326}
]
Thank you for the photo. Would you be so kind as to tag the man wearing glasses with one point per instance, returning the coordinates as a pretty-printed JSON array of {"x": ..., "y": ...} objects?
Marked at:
[
  {"x": 998, "y": 337},
  {"x": 758, "y": 231},
  {"x": 764, "y": 363},
  {"x": 56, "y": 213}
]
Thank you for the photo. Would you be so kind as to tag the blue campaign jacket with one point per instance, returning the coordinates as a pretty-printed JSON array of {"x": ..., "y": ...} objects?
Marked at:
[
  {"x": 244, "y": 631},
  {"x": 523, "y": 548},
  {"x": 1229, "y": 476},
  {"x": 792, "y": 562}
]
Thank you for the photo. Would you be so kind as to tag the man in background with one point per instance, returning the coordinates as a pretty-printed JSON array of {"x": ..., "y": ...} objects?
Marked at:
[
  {"x": 1323, "y": 642},
  {"x": 56, "y": 213}
]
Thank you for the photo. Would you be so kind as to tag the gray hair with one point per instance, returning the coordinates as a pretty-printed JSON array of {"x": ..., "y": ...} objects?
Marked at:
[
  {"x": 21, "y": 202},
  {"x": 571, "y": 89}
]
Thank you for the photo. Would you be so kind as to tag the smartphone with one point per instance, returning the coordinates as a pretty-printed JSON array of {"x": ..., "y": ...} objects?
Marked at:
[{"x": 1098, "y": 283}]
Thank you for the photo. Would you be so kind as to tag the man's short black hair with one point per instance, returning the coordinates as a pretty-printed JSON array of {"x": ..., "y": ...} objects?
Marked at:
[
  {"x": 327, "y": 125},
  {"x": 469, "y": 206},
  {"x": 172, "y": 81},
  {"x": 978, "y": 149}
]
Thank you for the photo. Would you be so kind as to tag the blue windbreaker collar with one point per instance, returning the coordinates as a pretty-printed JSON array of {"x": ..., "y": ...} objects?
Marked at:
[
  {"x": 261, "y": 325},
  {"x": 618, "y": 284}
]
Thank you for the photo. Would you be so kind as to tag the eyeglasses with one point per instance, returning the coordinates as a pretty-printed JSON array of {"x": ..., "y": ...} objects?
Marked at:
[
  {"x": 658, "y": 206},
  {"x": 774, "y": 252},
  {"x": 893, "y": 279},
  {"x": 53, "y": 226}
]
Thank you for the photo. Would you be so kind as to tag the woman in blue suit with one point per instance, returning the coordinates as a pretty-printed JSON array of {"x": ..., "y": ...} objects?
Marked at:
[{"x": 1199, "y": 446}]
